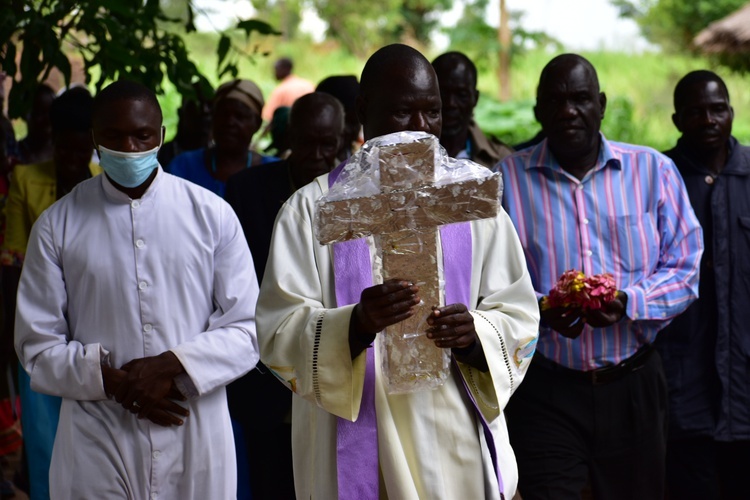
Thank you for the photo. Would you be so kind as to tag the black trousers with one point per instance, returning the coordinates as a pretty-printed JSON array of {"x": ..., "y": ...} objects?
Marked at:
[
  {"x": 700, "y": 468},
  {"x": 569, "y": 434}
]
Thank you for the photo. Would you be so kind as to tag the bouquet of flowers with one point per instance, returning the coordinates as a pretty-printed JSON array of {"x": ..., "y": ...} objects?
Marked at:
[{"x": 575, "y": 289}]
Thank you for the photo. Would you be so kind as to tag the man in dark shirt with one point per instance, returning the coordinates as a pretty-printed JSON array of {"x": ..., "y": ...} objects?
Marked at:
[
  {"x": 461, "y": 136},
  {"x": 706, "y": 351},
  {"x": 258, "y": 401}
]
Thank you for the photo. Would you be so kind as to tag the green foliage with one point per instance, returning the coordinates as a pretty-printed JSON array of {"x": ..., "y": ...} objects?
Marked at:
[
  {"x": 479, "y": 40},
  {"x": 419, "y": 18},
  {"x": 619, "y": 120},
  {"x": 358, "y": 26},
  {"x": 115, "y": 38},
  {"x": 639, "y": 87},
  {"x": 674, "y": 23},
  {"x": 512, "y": 122},
  {"x": 639, "y": 90},
  {"x": 362, "y": 27},
  {"x": 286, "y": 14}
]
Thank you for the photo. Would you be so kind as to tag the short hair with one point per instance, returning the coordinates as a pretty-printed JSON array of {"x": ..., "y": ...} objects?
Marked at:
[
  {"x": 313, "y": 104},
  {"x": 345, "y": 88},
  {"x": 44, "y": 89},
  {"x": 452, "y": 59},
  {"x": 566, "y": 59},
  {"x": 285, "y": 63},
  {"x": 72, "y": 111},
  {"x": 394, "y": 55},
  {"x": 123, "y": 90},
  {"x": 698, "y": 76}
]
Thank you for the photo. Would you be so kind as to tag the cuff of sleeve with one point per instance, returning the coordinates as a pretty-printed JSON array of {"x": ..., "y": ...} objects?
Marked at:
[
  {"x": 97, "y": 356},
  {"x": 106, "y": 358},
  {"x": 340, "y": 379},
  {"x": 182, "y": 381},
  {"x": 636, "y": 308},
  {"x": 185, "y": 385}
]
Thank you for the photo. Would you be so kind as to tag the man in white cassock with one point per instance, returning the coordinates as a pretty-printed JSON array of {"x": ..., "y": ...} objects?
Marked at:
[
  {"x": 137, "y": 306},
  {"x": 450, "y": 442}
]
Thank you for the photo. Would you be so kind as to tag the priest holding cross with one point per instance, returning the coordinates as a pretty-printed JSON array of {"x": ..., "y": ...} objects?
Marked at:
[{"x": 398, "y": 307}]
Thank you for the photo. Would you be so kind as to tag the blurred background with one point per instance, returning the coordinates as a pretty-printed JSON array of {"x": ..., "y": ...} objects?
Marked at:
[{"x": 639, "y": 47}]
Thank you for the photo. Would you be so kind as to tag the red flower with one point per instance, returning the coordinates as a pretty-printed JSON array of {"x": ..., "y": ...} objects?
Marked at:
[{"x": 575, "y": 289}]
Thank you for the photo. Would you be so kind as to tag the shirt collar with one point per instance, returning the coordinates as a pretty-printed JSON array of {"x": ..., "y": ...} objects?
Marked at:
[{"x": 542, "y": 157}]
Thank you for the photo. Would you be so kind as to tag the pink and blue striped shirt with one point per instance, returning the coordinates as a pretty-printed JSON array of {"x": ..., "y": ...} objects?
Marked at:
[{"x": 630, "y": 216}]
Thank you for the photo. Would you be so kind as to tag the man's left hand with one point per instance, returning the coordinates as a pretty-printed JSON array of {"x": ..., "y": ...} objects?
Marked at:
[
  {"x": 147, "y": 382},
  {"x": 451, "y": 326},
  {"x": 610, "y": 314}
]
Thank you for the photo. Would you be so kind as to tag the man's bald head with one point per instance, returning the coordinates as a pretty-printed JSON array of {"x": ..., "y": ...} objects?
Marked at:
[
  {"x": 564, "y": 64},
  {"x": 316, "y": 125},
  {"x": 398, "y": 92},
  {"x": 126, "y": 91},
  {"x": 310, "y": 105},
  {"x": 450, "y": 61},
  {"x": 387, "y": 60}
]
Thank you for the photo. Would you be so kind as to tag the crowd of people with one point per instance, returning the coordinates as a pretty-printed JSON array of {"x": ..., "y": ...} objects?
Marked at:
[{"x": 181, "y": 333}]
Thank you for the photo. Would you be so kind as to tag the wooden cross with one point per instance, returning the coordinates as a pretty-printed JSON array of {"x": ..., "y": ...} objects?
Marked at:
[{"x": 404, "y": 217}]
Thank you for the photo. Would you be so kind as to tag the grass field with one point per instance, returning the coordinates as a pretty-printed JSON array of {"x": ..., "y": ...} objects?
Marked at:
[{"x": 638, "y": 86}]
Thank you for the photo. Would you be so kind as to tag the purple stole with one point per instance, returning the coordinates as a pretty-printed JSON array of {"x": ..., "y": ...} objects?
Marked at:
[{"x": 357, "y": 442}]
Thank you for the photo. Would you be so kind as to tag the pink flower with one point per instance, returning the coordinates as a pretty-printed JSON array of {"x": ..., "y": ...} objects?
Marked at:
[{"x": 575, "y": 289}]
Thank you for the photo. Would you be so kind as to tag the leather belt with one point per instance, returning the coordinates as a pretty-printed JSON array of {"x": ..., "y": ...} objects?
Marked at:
[{"x": 602, "y": 375}]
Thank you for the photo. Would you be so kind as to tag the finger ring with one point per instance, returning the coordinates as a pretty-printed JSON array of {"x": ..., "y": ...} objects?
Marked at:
[{"x": 136, "y": 404}]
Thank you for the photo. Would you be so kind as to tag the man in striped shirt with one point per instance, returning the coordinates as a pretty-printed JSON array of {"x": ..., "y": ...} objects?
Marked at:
[{"x": 593, "y": 408}]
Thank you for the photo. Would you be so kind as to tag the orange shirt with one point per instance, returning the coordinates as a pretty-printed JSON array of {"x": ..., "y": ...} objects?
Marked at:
[{"x": 289, "y": 90}]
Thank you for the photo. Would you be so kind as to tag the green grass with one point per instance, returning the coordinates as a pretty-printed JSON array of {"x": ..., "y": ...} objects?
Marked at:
[
  {"x": 638, "y": 86},
  {"x": 639, "y": 91}
]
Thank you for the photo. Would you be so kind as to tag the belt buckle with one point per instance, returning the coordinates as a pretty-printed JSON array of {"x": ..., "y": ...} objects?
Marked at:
[{"x": 609, "y": 373}]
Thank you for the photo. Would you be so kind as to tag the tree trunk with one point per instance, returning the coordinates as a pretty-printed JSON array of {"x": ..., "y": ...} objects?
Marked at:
[{"x": 504, "y": 36}]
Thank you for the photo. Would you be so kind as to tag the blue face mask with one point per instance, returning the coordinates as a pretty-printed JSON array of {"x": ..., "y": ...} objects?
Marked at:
[{"x": 129, "y": 170}]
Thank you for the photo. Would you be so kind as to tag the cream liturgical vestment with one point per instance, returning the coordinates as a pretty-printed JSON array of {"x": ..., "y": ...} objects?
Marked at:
[
  {"x": 108, "y": 279},
  {"x": 430, "y": 443}
]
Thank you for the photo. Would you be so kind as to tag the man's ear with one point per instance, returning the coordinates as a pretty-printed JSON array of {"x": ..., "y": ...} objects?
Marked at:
[
  {"x": 676, "y": 121},
  {"x": 536, "y": 113},
  {"x": 603, "y": 102},
  {"x": 476, "y": 98}
]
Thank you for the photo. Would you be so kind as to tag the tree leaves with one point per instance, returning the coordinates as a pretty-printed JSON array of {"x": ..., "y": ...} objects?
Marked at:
[
  {"x": 674, "y": 23},
  {"x": 227, "y": 65},
  {"x": 262, "y": 27},
  {"x": 115, "y": 39}
]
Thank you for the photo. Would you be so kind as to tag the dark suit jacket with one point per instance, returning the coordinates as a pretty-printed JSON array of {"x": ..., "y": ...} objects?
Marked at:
[
  {"x": 256, "y": 195},
  {"x": 257, "y": 400}
]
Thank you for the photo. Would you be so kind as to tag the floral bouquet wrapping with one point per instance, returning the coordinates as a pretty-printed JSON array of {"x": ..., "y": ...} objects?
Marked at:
[{"x": 575, "y": 289}]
